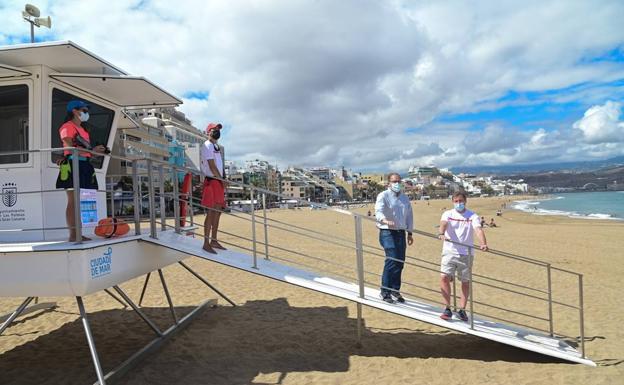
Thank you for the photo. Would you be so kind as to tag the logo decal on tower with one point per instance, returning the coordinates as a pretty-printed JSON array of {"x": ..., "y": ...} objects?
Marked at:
[{"x": 9, "y": 194}]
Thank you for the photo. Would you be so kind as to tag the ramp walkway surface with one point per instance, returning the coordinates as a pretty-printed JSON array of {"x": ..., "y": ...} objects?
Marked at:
[{"x": 510, "y": 335}]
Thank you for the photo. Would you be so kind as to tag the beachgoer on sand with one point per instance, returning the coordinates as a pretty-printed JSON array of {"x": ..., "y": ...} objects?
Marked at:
[
  {"x": 492, "y": 223},
  {"x": 213, "y": 195},
  {"x": 394, "y": 218},
  {"x": 458, "y": 225}
]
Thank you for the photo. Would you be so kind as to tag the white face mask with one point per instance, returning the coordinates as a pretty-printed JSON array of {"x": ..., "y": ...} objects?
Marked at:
[
  {"x": 84, "y": 116},
  {"x": 396, "y": 187}
]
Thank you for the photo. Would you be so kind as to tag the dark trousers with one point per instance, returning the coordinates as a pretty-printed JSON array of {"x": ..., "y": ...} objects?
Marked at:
[{"x": 394, "y": 245}]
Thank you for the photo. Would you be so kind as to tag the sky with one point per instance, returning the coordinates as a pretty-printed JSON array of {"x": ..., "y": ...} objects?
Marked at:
[{"x": 371, "y": 85}]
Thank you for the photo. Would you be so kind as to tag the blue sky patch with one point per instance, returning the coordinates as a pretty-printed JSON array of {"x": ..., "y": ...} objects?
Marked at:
[{"x": 201, "y": 95}]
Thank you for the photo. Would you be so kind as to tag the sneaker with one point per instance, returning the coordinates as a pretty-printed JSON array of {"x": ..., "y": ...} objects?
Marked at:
[
  {"x": 462, "y": 315},
  {"x": 447, "y": 315},
  {"x": 398, "y": 297},
  {"x": 386, "y": 297}
]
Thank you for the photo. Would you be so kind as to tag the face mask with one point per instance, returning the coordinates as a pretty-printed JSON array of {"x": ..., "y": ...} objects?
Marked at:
[
  {"x": 215, "y": 134},
  {"x": 460, "y": 206},
  {"x": 396, "y": 187},
  {"x": 84, "y": 116}
]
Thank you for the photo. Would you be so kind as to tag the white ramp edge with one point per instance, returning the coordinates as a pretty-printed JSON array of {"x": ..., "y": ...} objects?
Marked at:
[{"x": 510, "y": 335}]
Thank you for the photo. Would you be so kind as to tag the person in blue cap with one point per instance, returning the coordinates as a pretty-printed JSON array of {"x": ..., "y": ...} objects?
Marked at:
[{"x": 73, "y": 133}]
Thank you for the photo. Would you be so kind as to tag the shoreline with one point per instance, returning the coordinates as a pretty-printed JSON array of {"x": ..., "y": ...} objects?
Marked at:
[{"x": 531, "y": 206}]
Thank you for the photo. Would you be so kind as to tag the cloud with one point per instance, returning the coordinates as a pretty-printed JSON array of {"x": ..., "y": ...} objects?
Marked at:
[
  {"x": 339, "y": 83},
  {"x": 601, "y": 124}
]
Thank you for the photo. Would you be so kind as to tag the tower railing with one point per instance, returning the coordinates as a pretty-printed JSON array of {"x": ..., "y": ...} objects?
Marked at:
[{"x": 498, "y": 294}]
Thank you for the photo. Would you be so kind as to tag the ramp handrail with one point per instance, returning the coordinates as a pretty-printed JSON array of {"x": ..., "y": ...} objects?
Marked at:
[{"x": 357, "y": 244}]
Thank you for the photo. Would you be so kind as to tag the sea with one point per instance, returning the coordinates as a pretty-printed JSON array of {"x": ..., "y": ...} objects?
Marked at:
[{"x": 589, "y": 205}]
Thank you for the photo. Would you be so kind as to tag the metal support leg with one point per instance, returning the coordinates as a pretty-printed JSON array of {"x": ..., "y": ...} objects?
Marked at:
[
  {"x": 164, "y": 285},
  {"x": 206, "y": 283},
  {"x": 147, "y": 277},
  {"x": 15, "y": 314},
  {"x": 139, "y": 312},
  {"x": 90, "y": 341},
  {"x": 116, "y": 298}
]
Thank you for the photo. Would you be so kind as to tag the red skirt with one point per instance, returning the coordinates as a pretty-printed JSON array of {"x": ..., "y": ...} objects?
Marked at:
[{"x": 213, "y": 194}]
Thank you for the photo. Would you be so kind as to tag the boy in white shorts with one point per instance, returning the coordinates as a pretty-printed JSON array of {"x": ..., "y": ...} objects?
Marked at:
[{"x": 457, "y": 228}]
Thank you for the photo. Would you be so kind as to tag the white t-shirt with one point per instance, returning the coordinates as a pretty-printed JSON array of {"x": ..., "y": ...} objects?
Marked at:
[
  {"x": 210, "y": 151},
  {"x": 459, "y": 228}
]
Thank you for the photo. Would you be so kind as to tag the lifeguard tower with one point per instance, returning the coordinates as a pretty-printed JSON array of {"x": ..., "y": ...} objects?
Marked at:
[{"x": 37, "y": 81}]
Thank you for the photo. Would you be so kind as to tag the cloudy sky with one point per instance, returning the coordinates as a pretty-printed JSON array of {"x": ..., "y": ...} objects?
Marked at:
[{"x": 371, "y": 85}]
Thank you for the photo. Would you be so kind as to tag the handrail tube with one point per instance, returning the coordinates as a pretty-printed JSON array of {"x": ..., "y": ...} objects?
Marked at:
[
  {"x": 511, "y": 311},
  {"x": 403, "y": 283},
  {"x": 312, "y": 257},
  {"x": 331, "y": 273},
  {"x": 137, "y": 217},
  {"x": 496, "y": 252}
]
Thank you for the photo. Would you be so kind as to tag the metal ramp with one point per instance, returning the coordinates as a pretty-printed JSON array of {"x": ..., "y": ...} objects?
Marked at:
[{"x": 510, "y": 335}]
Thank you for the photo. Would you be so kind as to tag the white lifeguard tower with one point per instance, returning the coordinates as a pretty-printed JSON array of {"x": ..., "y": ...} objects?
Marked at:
[{"x": 36, "y": 82}]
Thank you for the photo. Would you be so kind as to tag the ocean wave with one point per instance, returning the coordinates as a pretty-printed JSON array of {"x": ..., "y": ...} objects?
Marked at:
[{"x": 531, "y": 207}]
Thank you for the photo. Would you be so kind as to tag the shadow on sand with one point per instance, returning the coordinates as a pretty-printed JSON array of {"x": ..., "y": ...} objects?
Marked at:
[{"x": 232, "y": 345}]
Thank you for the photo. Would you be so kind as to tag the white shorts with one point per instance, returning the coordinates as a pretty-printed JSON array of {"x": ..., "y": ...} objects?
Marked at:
[{"x": 460, "y": 263}]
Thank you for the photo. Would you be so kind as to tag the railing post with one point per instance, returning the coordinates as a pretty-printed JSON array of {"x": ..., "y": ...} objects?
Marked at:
[
  {"x": 470, "y": 293},
  {"x": 112, "y": 195},
  {"x": 359, "y": 252},
  {"x": 176, "y": 200},
  {"x": 189, "y": 198},
  {"x": 550, "y": 307},
  {"x": 253, "y": 228},
  {"x": 77, "y": 208},
  {"x": 581, "y": 315},
  {"x": 266, "y": 227},
  {"x": 150, "y": 198},
  {"x": 137, "y": 197},
  {"x": 163, "y": 207}
]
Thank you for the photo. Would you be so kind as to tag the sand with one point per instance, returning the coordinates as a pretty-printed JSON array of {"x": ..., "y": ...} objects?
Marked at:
[{"x": 281, "y": 334}]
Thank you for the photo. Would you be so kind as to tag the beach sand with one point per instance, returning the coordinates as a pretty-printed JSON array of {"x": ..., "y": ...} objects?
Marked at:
[{"x": 282, "y": 334}]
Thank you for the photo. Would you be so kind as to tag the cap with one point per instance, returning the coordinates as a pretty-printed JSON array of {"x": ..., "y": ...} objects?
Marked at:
[
  {"x": 76, "y": 104},
  {"x": 213, "y": 126}
]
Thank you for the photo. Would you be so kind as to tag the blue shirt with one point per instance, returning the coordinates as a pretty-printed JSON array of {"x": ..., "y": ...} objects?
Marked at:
[{"x": 396, "y": 208}]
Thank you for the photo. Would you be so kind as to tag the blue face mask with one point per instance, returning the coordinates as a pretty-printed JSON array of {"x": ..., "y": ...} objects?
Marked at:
[
  {"x": 396, "y": 187},
  {"x": 460, "y": 206}
]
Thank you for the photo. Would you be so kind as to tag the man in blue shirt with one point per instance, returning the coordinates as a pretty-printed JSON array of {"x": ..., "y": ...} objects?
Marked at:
[{"x": 393, "y": 212}]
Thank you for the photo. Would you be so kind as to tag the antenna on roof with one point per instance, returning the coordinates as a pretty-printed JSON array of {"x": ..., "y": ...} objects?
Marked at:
[{"x": 31, "y": 14}]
